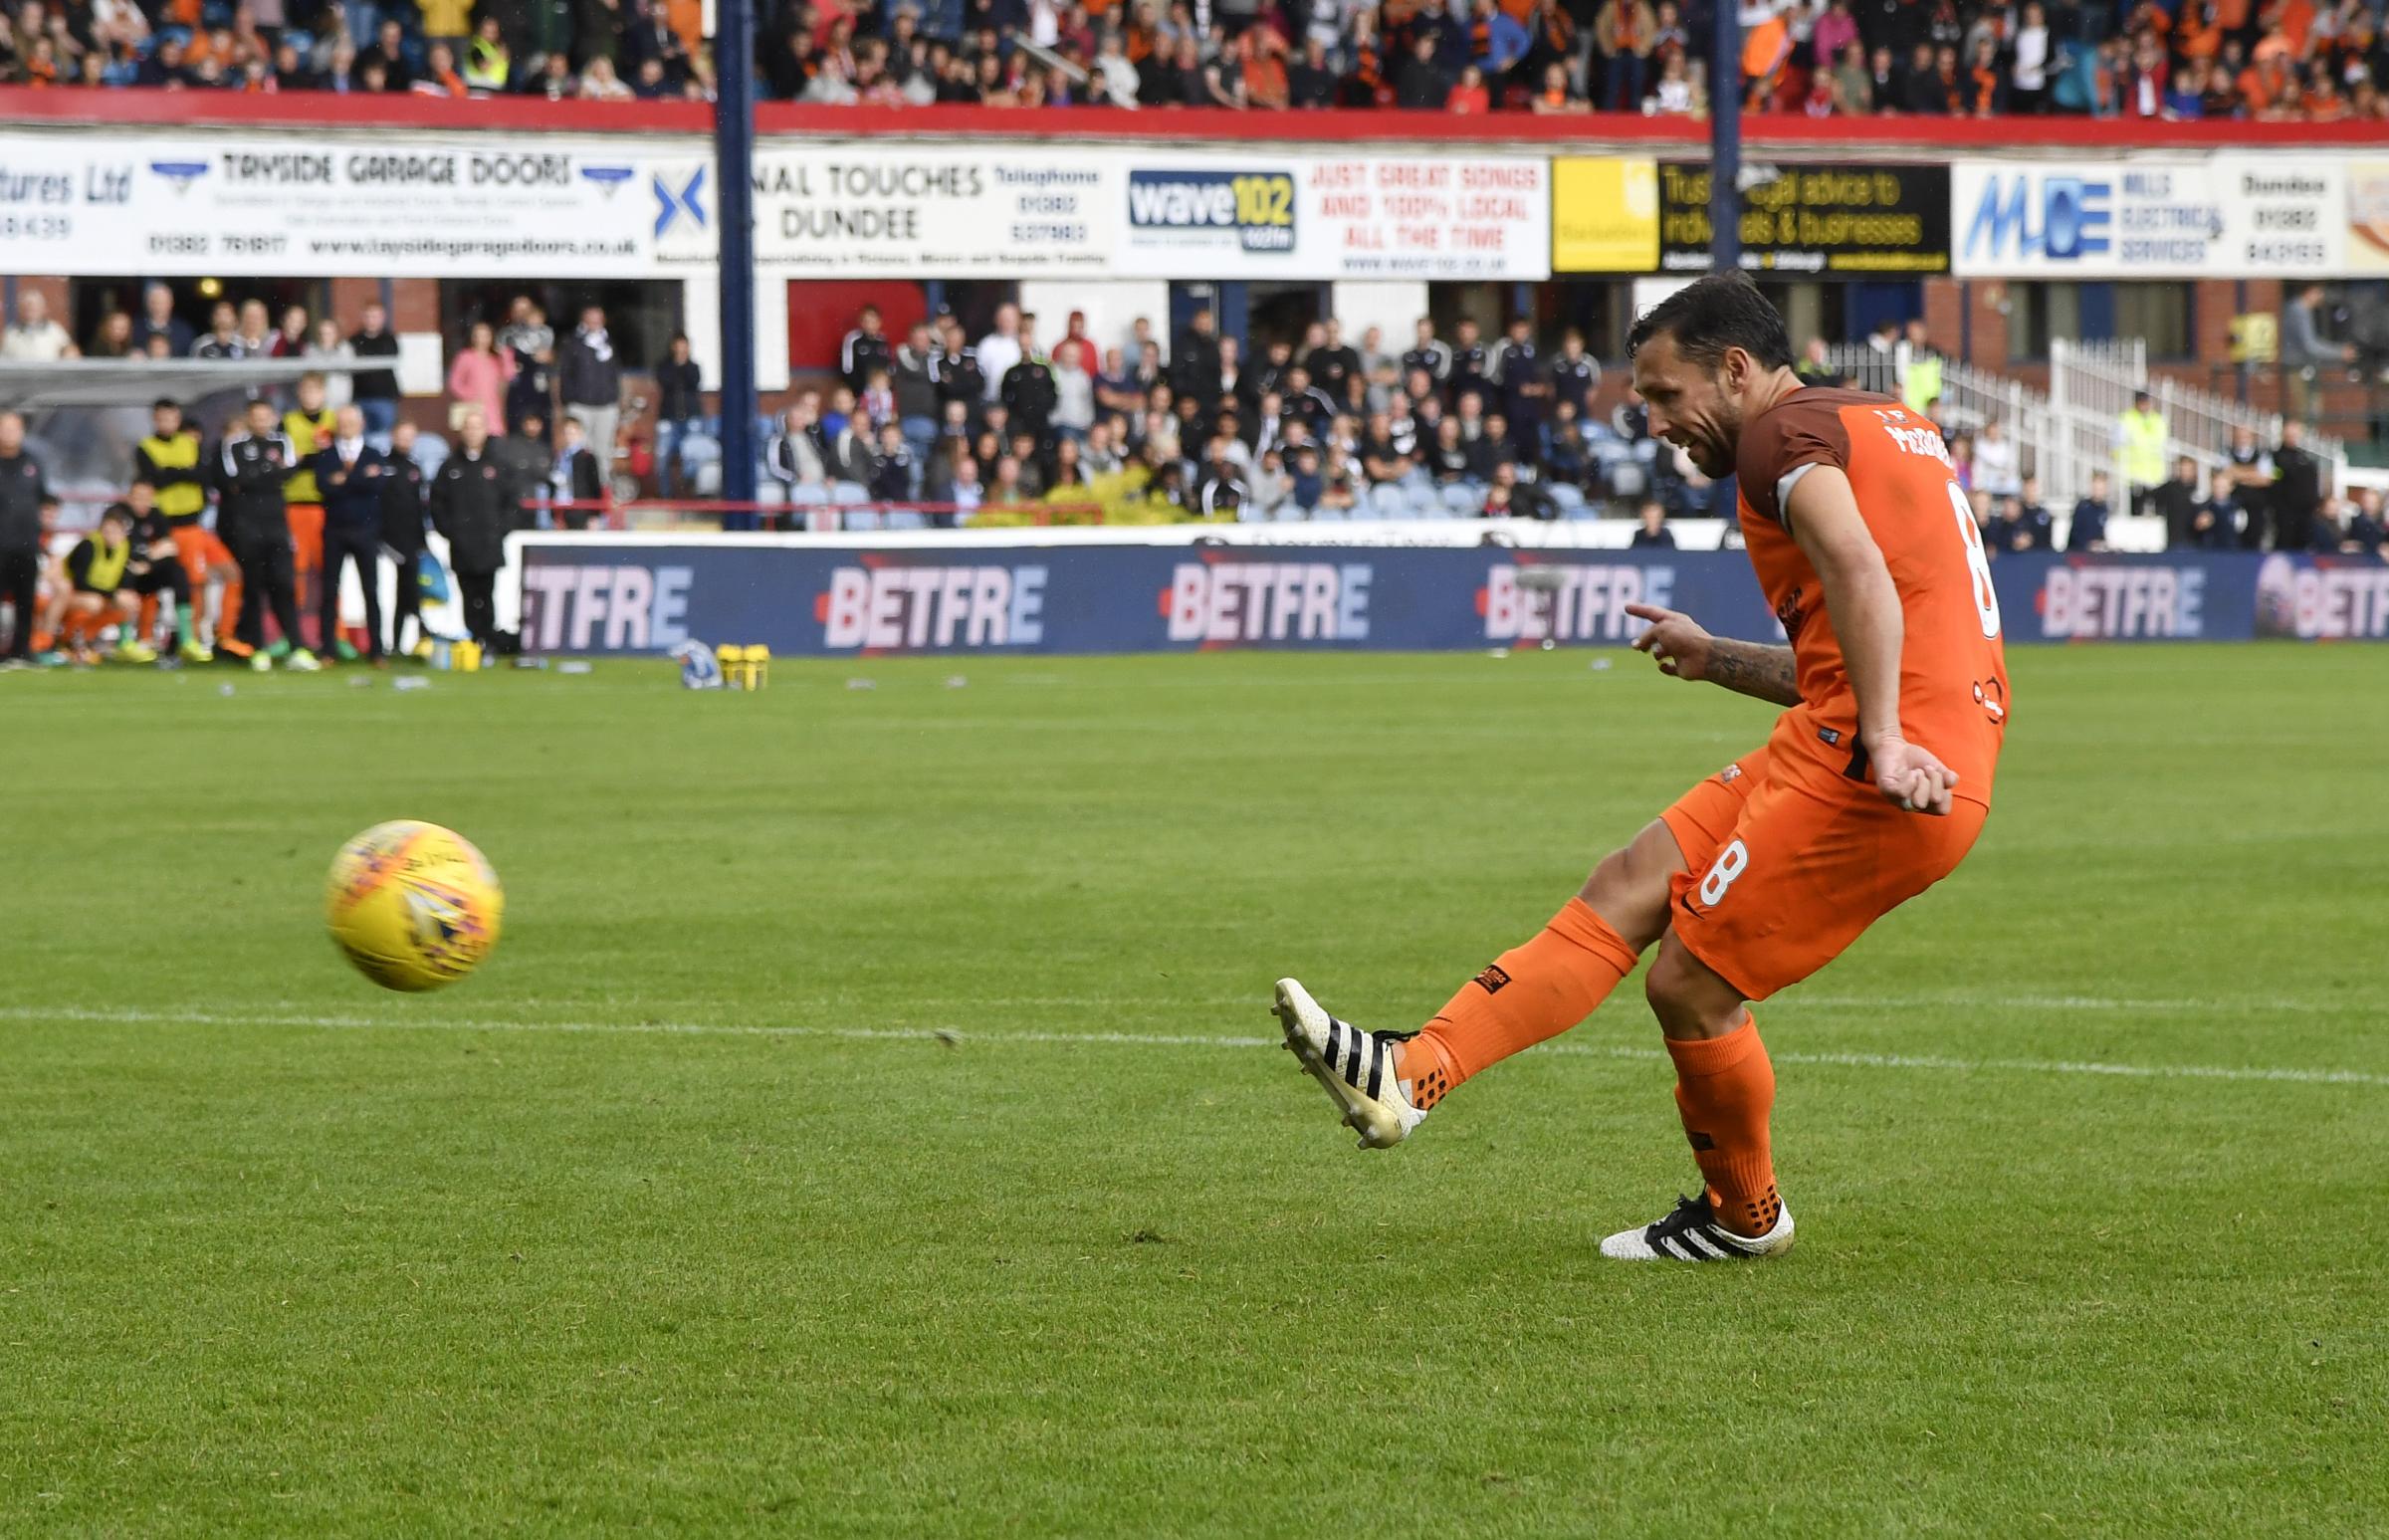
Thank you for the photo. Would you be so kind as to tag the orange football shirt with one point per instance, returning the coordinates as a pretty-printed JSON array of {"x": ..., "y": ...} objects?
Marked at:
[{"x": 1953, "y": 676}]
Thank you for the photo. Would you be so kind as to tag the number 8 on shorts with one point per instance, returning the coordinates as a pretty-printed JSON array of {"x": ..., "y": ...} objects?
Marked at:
[{"x": 1731, "y": 862}]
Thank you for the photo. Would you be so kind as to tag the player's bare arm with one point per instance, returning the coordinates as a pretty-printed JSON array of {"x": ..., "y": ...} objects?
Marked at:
[
  {"x": 1682, "y": 648},
  {"x": 1865, "y": 605}
]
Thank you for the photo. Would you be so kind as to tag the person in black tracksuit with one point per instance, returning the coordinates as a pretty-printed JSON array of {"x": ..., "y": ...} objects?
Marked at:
[
  {"x": 254, "y": 523},
  {"x": 473, "y": 504},
  {"x": 402, "y": 494},
  {"x": 957, "y": 375},
  {"x": 23, "y": 491},
  {"x": 1028, "y": 393},
  {"x": 156, "y": 571},
  {"x": 864, "y": 350},
  {"x": 679, "y": 403},
  {"x": 349, "y": 476}
]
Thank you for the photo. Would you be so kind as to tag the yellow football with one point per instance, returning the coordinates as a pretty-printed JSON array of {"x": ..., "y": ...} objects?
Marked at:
[{"x": 414, "y": 906}]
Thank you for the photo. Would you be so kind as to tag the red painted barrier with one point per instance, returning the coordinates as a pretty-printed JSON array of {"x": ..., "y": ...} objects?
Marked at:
[{"x": 117, "y": 108}]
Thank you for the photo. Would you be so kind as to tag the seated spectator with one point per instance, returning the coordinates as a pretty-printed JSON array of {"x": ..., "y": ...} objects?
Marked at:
[
  {"x": 1681, "y": 92},
  {"x": 1990, "y": 519},
  {"x": 895, "y": 478},
  {"x": 1421, "y": 82},
  {"x": 114, "y": 340},
  {"x": 798, "y": 457},
  {"x": 34, "y": 337},
  {"x": 2088, "y": 532},
  {"x": 2192, "y": 522},
  {"x": 598, "y": 83},
  {"x": 965, "y": 492},
  {"x": 1996, "y": 465},
  {"x": 1654, "y": 533},
  {"x": 2033, "y": 520},
  {"x": 2366, "y": 531},
  {"x": 1469, "y": 93},
  {"x": 159, "y": 320}
]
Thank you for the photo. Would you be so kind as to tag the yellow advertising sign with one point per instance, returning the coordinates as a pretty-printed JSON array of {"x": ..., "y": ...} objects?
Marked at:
[{"x": 1604, "y": 215}]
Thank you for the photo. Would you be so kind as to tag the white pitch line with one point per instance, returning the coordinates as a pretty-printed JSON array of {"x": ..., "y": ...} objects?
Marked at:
[{"x": 1915, "y": 1061}]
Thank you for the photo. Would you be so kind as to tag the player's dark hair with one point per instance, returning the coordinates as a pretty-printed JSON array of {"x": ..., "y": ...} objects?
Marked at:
[
  {"x": 120, "y": 512},
  {"x": 1713, "y": 313}
]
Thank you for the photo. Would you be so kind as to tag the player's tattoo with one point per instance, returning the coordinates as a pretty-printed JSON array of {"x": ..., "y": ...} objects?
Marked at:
[{"x": 1751, "y": 669}]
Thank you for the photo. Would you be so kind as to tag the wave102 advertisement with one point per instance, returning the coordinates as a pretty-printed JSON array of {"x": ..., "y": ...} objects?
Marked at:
[{"x": 598, "y": 595}]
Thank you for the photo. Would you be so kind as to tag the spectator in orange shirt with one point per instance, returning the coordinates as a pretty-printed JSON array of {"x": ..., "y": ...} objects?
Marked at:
[
  {"x": 439, "y": 78},
  {"x": 2201, "y": 35},
  {"x": 2264, "y": 83},
  {"x": 1980, "y": 90},
  {"x": 1555, "y": 97},
  {"x": 1764, "y": 51},
  {"x": 1265, "y": 68},
  {"x": 2294, "y": 19},
  {"x": 1470, "y": 95}
]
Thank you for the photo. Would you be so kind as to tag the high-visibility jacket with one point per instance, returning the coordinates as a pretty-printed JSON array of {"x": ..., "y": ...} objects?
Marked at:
[
  {"x": 97, "y": 567},
  {"x": 306, "y": 435},
  {"x": 171, "y": 465},
  {"x": 1922, "y": 384},
  {"x": 2141, "y": 455}
]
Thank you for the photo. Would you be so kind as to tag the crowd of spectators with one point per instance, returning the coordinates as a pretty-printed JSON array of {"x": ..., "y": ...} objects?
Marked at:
[
  {"x": 607, "y": 50},
  {"x": 1325, "y": 426},
  {"x": 2258, "y": 499},
  {"x": 2309, "y": 60},
  {"x": 1143, "y": 427},
  {"x": 529, "y": 384}
]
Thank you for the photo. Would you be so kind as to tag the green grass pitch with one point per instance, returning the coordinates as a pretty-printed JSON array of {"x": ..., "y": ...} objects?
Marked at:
[{"x": 681, "y": 1215}]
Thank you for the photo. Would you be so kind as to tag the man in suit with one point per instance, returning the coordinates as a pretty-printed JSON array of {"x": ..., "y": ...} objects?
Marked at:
[
  {"x": 402, "y": 494},
  {"x": 473, "y": 504},
  {"x": 348, "y": 482},
  {"x": 576, "y": 478}
]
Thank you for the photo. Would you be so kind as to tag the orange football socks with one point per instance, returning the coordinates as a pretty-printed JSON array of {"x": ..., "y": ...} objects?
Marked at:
[
  {"x": 1725, "y": 1088},
  {"x": 1532, "y": 991}
]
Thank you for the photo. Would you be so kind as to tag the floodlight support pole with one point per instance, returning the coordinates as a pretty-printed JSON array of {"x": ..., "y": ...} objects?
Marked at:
[
  {"x": 733, "y": 160},
  {"x": 1725, "y": 138}
]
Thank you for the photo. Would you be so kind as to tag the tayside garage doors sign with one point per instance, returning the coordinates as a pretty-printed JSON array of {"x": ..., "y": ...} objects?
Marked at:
[{"x": 95, "y": 204}]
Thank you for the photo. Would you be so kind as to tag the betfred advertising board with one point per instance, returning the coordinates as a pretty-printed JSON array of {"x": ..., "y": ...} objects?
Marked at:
[{"x": 585, "y": 594}]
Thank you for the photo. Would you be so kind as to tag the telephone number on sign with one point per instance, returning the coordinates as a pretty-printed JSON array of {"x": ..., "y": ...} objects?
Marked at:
[{"x": 35, "y": 227}]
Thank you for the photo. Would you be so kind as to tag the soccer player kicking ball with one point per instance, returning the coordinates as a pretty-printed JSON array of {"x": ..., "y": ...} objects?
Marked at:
[{"x": 1871, "y": 787}]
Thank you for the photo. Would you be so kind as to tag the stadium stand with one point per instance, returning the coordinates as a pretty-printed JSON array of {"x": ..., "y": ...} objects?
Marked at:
[
  {"x": 2276, "y": 61},
  {"x": 919, "y": 433}
]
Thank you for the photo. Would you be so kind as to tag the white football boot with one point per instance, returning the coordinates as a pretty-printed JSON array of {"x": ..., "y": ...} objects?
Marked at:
[
  {"x": 1691, "y": 1233},
  {"x": 1356, "y": 1067}
]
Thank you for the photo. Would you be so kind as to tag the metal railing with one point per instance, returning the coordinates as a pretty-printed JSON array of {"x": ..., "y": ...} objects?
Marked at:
[
  {"x": 2061, "y": 448},
  {"x": 2068, "y": 432},
  {"x": 2104, "y": 377}
]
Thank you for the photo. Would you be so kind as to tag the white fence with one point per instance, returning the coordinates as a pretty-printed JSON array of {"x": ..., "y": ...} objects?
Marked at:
[{"x": 2068, "y": 432}]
